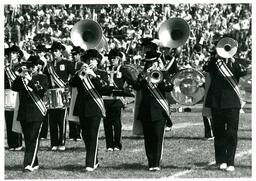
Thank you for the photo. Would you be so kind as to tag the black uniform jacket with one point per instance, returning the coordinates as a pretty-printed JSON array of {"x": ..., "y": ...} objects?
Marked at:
[
  {"x": 149, "y": 108},
  {"x": 63, "y": 69},
  {"x": 28, "y": 111},
  {"x": 120, "y": 78},
  {"x": 221, "y": 94},
  {"x": 85, "y": 105},
  {"x": 7, "y": 83}
]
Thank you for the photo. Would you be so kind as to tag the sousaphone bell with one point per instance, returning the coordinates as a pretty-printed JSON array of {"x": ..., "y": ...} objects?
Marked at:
[
  {"x": 87, "y": 34},
  {"x": 173, "y": 32},
  {"x": 227, "y": 47}
]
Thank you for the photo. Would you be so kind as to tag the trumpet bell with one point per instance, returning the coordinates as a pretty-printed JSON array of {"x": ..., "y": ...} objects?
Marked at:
[
  {"x": 87, "y": 34},
  {"x": 173, "y": 32},
  {"x": 227, "y": 47},
  {"x": 155, "y": 76}
]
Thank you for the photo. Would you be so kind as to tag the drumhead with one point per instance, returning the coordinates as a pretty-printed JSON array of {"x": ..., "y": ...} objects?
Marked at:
[{"x": 188, "y": 87}]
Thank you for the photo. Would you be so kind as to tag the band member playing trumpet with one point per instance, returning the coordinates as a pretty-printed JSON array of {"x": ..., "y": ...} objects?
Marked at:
[
  {"x": 118, "y": 77},
  {"x": 91, "y": 83},
  {"x": 153, "y": 110},
  {"x": 41, "y": 51},
  {"x": 12, "y": 60},
  {"x": 58, "y": 70},
  {"x": 225, "y": 101},
  {"x": 31, "y": 87},
  {"x": 167, "y": 62}
]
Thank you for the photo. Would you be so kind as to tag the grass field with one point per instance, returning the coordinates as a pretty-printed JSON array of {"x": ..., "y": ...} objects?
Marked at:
[{"x": 186, "y": 155}]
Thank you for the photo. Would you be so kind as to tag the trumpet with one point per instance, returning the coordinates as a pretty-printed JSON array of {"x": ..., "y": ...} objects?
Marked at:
[
  {"x": 83, "y": 73},
  {"x": 154, "y": 76}
]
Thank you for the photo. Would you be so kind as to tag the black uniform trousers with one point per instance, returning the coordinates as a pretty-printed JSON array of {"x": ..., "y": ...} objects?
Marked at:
[
  {"x": 90, "y": 131},
  {"x": 44, "y": 130},
  {"x": 31, "y": 131},
  {"x": 113, "y": 127},
  {"x": 74, "y": 130},
  {"x": 57, "y": 122},
  {"x": 153, "y": 136},
  {"x": 14, "y": 140},
  {"x": 208, "y": 133},
  {"x": 225, "y": 127}
]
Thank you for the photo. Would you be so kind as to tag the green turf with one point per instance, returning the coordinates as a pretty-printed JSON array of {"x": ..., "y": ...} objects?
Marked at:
[{"x": 186, "y": 155}]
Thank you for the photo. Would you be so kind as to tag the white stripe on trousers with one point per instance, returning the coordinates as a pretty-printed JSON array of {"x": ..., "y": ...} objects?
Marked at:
[
  {"x": 37, "y": 145},
  {"x": 96, "y": 149},
  {"x": 64, "y": 126}
]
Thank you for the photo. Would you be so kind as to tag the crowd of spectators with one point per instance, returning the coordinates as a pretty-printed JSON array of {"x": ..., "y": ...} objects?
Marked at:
[{"x": 125, "y": 24}]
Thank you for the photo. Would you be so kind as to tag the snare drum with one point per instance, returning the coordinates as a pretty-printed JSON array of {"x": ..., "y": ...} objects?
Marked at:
[
  {"x": 9, "y": 99},
  {"x": 57, "y": 98}
]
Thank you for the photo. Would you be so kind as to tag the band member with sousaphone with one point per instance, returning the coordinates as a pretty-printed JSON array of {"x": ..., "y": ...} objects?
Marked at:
[
  {"x": 167, "y": 62},
  {"x": 225, "y": 101},
  {"x": 12, "y": 63},
  {"x": 59, "y": 71},
  {"x": 153, "y": 109},
  {"x": 31, "y": 87},
  {"x": 119, "y": 76},
  {"x": 74, "y": 127},
  {"x": 91, "y": 84}
]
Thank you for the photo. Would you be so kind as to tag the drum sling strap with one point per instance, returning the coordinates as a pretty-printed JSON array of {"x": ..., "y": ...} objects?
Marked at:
[
  {"x": 159, "y": 97},
  {"x": 55, "y": 77},
  {"x": 39, "y": 103},
  {"x": 89, "y": 87},
  {"x": 10, "y": 74},
  {"x": 228, "y": 75}
]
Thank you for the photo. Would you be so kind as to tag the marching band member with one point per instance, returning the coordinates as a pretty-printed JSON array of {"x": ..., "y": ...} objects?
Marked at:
[
  {"x": 167, "y": 61},
  {"x": 31, "y": 87},
  {"x": 74, "y": 127},
  {"x": 12, "y": 59},
  {"x": 153, "y": 110},
  {"x": 41, "y": 50},
  {"x": 224, "y": 99},
  {"x": 91, "y": 83},
  {"x": 58, "y": 70},
  {"x": 206, "y": 111},
  {"x": 118, "y": 76}
]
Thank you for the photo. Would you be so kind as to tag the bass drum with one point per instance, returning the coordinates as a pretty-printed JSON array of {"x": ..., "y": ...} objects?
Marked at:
[{"x": 188, "y": 87}]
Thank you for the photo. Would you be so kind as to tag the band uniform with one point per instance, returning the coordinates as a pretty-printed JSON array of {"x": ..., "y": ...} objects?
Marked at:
[
  {"x": 57, "y": 116},
  {"x": 30, "y": 113}
]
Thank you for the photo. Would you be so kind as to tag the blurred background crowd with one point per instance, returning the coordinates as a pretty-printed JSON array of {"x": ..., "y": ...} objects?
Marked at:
[{"x": 125, "y": 24}]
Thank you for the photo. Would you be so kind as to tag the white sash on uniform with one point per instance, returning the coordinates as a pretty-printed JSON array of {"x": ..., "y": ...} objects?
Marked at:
[{"x": 228, "y": 75}]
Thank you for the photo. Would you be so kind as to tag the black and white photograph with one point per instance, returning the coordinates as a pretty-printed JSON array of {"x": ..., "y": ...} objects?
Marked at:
[{"x": 127, "y": 90}]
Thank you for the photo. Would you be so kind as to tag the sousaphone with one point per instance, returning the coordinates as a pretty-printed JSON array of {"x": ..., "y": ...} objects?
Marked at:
[
  {"x": 87, "y": 34},
  {"x": 173, "y": 32}
]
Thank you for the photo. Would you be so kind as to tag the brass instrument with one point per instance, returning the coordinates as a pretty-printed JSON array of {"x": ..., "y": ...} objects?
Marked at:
[
  {"x": 88, "y": 35},
  {"x": 155, "y": 76},
  {"x": 82, "y": 73},
  {"x": 173, "y": 32},
  {"x": 227, "y": 47}
]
